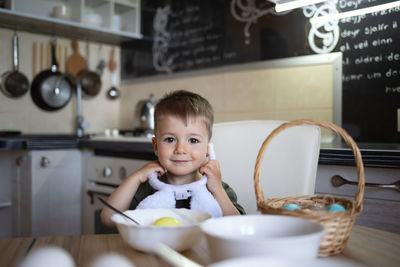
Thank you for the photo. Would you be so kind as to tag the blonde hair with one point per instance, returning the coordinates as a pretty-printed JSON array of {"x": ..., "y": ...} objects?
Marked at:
[{"x": 184, "y": 105}]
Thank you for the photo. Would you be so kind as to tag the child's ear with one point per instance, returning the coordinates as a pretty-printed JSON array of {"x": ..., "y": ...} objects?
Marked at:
[{"x": 154, "y": 141}]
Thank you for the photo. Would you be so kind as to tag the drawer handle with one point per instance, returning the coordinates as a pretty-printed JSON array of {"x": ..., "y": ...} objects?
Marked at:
[
  {"x": 338, "y": 180},
  {"x": 45, "y": 162},
  {"x": 5, "y": 205}
]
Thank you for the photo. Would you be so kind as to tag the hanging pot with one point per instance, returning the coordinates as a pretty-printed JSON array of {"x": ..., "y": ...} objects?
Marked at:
[
  {"x": 48, "y": 90},
  {"x": 90, "y": 80},
  {"x": 14, "y": 83}
]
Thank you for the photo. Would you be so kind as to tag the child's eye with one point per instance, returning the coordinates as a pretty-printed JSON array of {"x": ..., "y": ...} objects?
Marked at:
[
  {"x": 193, "y": 141},
  {"x": 169, "y": 140}
]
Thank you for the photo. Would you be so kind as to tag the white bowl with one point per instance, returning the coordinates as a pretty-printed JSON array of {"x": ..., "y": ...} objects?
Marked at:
[
  {"x": 93, "y": 19},
  {"x": 282, "y": 262},
  {"x": 145, "y": 236},
  {"x": 267, "y": 235}
]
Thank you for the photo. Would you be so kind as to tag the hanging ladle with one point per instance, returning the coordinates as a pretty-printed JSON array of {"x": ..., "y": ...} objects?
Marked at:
[
  {"x": 117, "y": 210},
  {"x": 113, "y": 92}
]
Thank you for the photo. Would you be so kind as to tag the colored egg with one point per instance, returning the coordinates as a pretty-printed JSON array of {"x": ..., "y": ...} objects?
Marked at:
[
  {"x": 167, "y": 221},
  {"x": 291, "y": 207},
  {"x": 335, "y": 207}
]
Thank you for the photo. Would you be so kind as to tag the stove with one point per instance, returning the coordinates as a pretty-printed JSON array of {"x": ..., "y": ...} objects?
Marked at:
[{"x": 103, "y": 175}]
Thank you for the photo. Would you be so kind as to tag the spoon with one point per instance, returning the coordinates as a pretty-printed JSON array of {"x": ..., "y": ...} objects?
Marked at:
[
  {"x": 338, "y": 180},
  {"x": 117, "y": 210},
  {"x": 174, "y": 258}
]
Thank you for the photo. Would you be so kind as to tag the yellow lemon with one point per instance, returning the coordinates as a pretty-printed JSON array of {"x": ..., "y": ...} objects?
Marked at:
[{"x": 167, "y": 221}]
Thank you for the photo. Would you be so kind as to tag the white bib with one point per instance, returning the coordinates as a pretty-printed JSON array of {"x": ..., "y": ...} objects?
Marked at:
[{"x": 167, "y": 194}]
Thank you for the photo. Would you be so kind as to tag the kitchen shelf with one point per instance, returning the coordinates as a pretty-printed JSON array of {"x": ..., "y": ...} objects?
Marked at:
[{"x": 120, "y": 19}]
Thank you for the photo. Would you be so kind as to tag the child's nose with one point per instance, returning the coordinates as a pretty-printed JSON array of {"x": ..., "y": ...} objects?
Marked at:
[{"x": 180, "y": 147}]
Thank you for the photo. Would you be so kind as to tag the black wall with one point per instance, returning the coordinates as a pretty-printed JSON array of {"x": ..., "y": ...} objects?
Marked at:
[{"x": 203, "y": 33}]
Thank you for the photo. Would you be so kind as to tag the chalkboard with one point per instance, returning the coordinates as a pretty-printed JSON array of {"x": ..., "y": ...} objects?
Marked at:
[
  {"x": 199, "y": 34},
  {"x": 196, "y": 34},
  {"x": 371, "y": 74}
]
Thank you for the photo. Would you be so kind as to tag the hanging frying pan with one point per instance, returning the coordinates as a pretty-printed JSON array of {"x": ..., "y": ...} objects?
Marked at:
[
  {"x": 90, "y": 80},
  {"x": 14, "y": 83},
  {"x": 44, "y": 90}
]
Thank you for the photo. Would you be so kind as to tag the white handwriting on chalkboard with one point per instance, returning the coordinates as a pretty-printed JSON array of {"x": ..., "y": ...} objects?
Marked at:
[
  {"x": 393, "y": 57},
  {"x": 350, "y": 33},
  {"x": 361, "y": 45},
  {"x": 365, "y": 59},
  {"x": 375, "y": 28},
  {"x": 386, "y": 12},
  {"x": 349, "y": 3},
  {"x": 366, "y": 44},
  {"x": 375, "y": 75},
  {"x": 352, "y": 77},
  {"x": 354, "y": 20},
  {"x": 368, "y": 59},
  {"x": 392, "y": 89},
  {"x": 382, "y": 41},
  {"x": 392, "y": 73}
]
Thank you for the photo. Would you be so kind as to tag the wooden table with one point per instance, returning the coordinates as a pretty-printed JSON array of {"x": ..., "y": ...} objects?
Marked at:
[
  {"x": 14, "y": 249},
  {"x": 366, "y": 245}
]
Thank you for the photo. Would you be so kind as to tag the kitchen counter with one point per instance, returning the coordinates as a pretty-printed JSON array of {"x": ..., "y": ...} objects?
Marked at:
[
  {"x": 373, "y": 154},
  {"x": 336, "y": 153},
  {"x": 38, "y": 141},
  {"x": 366, "y": 246},
  {"x": 122, "y": 147}
]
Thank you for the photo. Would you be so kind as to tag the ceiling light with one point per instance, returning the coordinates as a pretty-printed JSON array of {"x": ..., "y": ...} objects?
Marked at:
[
  {"x": 357, "y": 12},
  {"x": 284, "y": 5}
]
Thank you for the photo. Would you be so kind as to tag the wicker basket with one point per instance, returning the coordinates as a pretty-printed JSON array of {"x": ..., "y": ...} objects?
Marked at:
[{"x": 337, "y": 224}]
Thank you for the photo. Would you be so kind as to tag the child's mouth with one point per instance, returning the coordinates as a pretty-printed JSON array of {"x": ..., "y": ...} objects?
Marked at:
[{"x": 180, "y": 161}]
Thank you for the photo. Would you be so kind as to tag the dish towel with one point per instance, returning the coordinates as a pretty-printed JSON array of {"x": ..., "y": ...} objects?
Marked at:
[{"x": 167, "y": 194}]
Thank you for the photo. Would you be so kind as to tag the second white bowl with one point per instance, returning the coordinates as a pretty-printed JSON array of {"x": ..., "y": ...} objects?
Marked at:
[{"x": 267, "y": 235}]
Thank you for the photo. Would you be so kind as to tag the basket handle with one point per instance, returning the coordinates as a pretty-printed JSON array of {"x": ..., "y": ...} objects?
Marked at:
[{"x": 346, "y": 137}]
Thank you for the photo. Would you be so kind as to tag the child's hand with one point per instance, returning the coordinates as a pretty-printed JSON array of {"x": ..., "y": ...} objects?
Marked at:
[
  {"x": 212, "y": 170},
  {"x": 149, "y": 168}
]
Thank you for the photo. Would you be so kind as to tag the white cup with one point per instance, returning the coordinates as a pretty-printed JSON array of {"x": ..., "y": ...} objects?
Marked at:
[
  {"x": 115, "y": 132},
  {"x": 61, "y": 12}
]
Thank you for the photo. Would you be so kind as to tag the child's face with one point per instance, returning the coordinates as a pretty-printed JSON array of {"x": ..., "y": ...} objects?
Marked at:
[{"x": 180, "y": 148}]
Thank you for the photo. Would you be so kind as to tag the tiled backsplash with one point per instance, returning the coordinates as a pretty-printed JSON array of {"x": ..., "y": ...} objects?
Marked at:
[{"x": 284, "y": 93}]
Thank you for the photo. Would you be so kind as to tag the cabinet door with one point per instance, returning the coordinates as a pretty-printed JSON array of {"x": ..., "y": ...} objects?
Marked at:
[
  {"x": 380, "y": 206},
  {"x": 6, "y": 167},
  {"x": 56, "y": 188}
]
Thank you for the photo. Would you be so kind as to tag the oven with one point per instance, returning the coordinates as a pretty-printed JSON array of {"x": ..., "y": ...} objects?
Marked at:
[{"x": 103, "y": 174}]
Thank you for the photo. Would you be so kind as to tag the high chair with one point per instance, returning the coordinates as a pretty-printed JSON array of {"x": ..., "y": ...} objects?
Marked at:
[{"x": 289, "y": 166}]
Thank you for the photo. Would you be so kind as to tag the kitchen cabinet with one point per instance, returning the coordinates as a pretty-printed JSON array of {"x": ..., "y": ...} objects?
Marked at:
[
  {"x": 380, "y": 206},
  {"x": 7, "y": 183},
  {"x": 50, "y": 186},
  {"x": 107, "y": 21}
]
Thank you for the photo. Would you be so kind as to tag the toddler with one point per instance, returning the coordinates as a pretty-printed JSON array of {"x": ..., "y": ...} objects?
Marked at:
[{"x": 183, "y": 128}]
